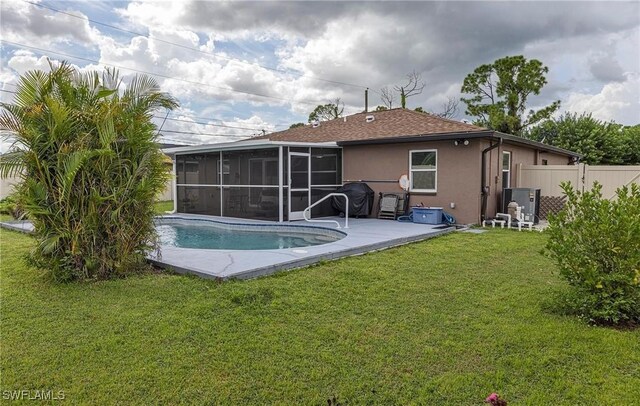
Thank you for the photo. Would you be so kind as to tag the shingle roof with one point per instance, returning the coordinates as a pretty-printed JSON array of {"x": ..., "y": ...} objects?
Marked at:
[{"x": 386, "y": 124}]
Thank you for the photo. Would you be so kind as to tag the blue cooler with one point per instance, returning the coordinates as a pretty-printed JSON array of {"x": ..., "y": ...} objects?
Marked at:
[{"x": 427, "y": 215}]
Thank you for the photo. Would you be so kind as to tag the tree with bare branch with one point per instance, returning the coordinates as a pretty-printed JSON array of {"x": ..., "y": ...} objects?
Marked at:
[
  {"x": 450, "y": 108},
  {"x": 387, "y": 97},
  {"x": 413, "y": 87}
]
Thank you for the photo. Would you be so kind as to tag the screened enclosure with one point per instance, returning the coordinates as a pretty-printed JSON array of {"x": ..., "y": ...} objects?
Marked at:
[{"x": 262, "y": 182}]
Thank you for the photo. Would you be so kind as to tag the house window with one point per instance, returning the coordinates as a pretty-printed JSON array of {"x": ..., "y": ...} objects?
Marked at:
[
  {"x": 423, "y": 170},
  {"x": 506, "y": 169}
]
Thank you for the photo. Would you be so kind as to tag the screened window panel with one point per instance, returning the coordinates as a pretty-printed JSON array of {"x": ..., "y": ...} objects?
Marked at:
[
  {"x": 199, "y": 200},
  {"x": 326, "y": 166},
  {"x": 424, "y": 180},
  {"x": 250, "y": 202},
  {"x": 423, "y": 160},
  {"x": 325, "y": 208},
  {"x": 256, "y": 167},
  {"x": 198, "y": 169}
]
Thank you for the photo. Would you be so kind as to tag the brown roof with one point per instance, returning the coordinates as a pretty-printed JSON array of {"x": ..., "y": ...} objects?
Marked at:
[{"x": 386, "y": 124}]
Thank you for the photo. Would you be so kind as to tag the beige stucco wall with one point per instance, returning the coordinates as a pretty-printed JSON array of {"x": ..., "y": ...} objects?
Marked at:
[
  {"x": 519, "y": 154},
  {"x": 458, "y": 174}
]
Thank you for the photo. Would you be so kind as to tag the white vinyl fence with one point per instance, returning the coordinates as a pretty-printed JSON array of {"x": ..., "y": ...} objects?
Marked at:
[{"x": 582, "y": 176}]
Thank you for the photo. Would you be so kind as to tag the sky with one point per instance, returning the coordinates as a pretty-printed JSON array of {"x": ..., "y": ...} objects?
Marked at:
[{"x": 240, "y": 69}]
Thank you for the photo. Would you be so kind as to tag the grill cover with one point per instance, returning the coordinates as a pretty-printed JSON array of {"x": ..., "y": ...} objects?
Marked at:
[{"x": 360, "y": 199}]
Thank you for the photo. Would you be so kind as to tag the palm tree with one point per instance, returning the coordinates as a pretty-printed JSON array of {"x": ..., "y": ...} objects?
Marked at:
[{"x": 85, "y": 150}]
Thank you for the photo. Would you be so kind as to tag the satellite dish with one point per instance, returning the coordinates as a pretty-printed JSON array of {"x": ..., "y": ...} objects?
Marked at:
[{"x": 404, "y": 182}]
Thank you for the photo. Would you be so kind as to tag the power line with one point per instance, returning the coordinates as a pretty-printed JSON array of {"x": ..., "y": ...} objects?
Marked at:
[
  {"x": 206, "y": 134},
  {"x": 45, "y": 51},
  {"x": 258, "y": 127},
  {"x": 195, "y": 49},
  {"x": 211, "y": 124}
]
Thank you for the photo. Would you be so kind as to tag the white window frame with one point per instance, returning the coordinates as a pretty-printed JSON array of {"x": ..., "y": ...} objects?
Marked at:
[
  {"x": 411, "y": 170},
  {"x": 507, "y": 171}
]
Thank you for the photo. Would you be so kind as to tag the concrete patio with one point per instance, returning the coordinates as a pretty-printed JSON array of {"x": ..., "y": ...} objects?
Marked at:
[{"x": 363, "y": 235}]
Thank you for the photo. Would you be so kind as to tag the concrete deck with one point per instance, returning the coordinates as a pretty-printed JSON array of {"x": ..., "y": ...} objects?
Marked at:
[{"x": 363, "y": 235}]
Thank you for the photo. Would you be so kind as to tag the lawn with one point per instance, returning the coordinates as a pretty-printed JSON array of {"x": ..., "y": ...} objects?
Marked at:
[
  {"x": 164, "y": 206},
  {"x": 446, "y": 321}
]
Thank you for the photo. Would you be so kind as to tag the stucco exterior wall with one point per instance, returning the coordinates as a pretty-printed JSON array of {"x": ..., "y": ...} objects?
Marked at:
[
  {"x": 519, "y": 154},
  {"x": 458, "y": 174}
]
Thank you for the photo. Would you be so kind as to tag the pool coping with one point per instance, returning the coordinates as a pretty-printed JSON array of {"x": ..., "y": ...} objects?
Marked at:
[{"x": 341, "y": 251}]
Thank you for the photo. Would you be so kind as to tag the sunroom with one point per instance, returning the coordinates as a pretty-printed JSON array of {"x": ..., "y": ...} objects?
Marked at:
[{"x": 257, "y": 179}]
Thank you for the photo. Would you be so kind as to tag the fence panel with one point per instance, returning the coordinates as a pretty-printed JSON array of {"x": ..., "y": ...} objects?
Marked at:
[{"x": 547, "y": 178}]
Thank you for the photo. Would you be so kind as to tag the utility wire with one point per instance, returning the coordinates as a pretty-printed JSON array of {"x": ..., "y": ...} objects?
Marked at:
[
  {"x": 44, "y": 51},
  {"x": 211, "y": 124},
  {"x": 193, "y": 49},
  {"x": 207, "y": 134},
  {"x": 257, "y": 128}
]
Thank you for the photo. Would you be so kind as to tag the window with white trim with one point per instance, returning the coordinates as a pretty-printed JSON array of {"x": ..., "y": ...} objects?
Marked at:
[
  {"x": 506, "y": 169},
  {"x": 423, "y": 168}
]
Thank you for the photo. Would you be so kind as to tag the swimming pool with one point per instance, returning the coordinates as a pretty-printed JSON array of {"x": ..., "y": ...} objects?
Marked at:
[{"x": 210, "y": 234}]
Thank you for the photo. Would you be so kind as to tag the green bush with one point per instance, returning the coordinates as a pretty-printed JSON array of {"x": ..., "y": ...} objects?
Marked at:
[
  {"x": 90, "y": 168},
  {"x": 596, "y": 244},
  {"x": 10, "y": 206}
]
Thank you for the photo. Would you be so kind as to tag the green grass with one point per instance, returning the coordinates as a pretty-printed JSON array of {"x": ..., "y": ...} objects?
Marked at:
[
  {"x": 446, "y": 321},
  {"x": 163, "y": 206}
]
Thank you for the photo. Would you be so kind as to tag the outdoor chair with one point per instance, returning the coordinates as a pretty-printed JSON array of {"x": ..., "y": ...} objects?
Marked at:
[{"x": 388, "y": 206}]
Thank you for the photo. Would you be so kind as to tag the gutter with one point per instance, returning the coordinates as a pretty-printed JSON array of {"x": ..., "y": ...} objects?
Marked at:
[
  {"x": 484, "y": 188},
  {"x": 488, "y": 134}
]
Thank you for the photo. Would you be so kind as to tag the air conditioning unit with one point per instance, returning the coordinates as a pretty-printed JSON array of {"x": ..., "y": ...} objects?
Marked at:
[{"x": 525, "y": 197}]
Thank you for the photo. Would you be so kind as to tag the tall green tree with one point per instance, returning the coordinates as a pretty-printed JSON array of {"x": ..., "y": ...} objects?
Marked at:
[
  {"x": 326, "y": 112},
  {"x": 600, "y": 143},
  {"x": 499, "y": 93},
  {"x": 631, "y": 141},
  {"x": 90, "y": 167}
]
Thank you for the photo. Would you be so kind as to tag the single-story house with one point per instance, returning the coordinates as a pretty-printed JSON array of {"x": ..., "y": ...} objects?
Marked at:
[{"x": 451, "y": 164}]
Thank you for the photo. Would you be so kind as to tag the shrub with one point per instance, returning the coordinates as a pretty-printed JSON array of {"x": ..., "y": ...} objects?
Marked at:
[
  {"x": 10, "y": 205},
  {"x": 90, "y": 168},
  {"x": 596, "y": 244}
]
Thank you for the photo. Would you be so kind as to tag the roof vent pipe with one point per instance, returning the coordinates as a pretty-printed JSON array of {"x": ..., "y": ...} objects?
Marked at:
[
  {"x": 370, "y": 118},
  {"x": 315, "y": 124}
]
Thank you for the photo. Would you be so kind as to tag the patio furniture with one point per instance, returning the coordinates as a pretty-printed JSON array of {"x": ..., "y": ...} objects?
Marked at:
[
  {"x": 493, "y": 223},
  {"x": 388, "y": 206}
]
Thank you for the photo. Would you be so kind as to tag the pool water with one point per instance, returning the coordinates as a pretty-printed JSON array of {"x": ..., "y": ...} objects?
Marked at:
[{"x": 212, "y": 235}]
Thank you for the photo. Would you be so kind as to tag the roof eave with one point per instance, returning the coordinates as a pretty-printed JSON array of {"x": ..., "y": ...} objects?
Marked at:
[
  {"x": 489, "y": 134},
  {"x": 419, "y": 137},
  {"x": 539, "y": 145}
]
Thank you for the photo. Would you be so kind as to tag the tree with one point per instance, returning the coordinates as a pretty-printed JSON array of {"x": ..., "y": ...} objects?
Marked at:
[
  {"x": 381, "y": 108},
  {"x": 296, "y": 125},
  {"x": 600, "y": 143},
  {"x": 499, "y": 93},
  {"x": 326, "y": 112},
  {"x": 413, "y": 87},
  {"x": 449, "y": 108},
  {"x": 90, "y": 168},
  {"x": 387, "y": 97},
  {"x": 631, "y": 141}
]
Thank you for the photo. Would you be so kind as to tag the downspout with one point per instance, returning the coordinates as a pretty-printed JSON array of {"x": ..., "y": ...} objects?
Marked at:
[{"x": 484, "y": 188}]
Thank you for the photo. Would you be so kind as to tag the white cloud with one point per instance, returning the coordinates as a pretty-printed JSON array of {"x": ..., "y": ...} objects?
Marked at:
[
  {"x": 23, "y": 22},
  {"x": 617, "y": 101}
]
